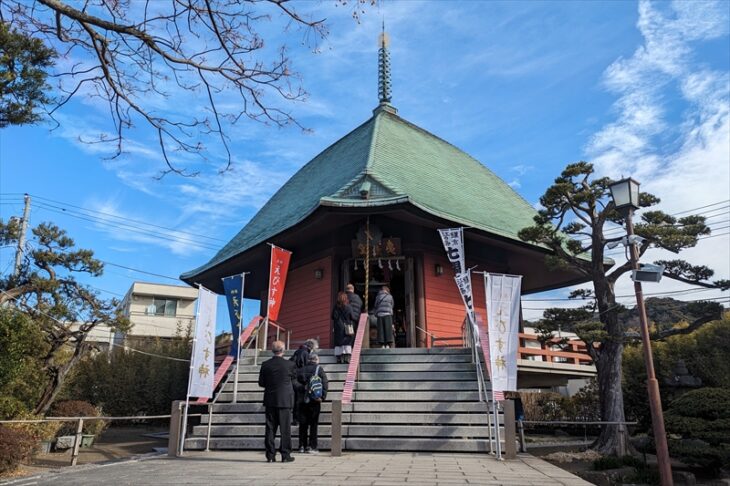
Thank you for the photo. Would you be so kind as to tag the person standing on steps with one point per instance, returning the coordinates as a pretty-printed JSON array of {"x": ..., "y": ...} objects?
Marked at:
[
  {"x": 278, "y": 378},
  {"x": 309, "y": 407},
  {"x": 355, "y": 303},
  {"x": 342, "y": 318},
  {"x": 300, "y": 358},
  {"x": 383, "y": 310}
]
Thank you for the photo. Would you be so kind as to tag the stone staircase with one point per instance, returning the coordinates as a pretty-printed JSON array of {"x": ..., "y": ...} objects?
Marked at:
[{"x": 405, "y": 400}]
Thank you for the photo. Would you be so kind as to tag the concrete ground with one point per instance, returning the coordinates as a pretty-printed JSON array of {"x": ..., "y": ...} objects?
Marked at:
[{"x": 351, "y": 469}]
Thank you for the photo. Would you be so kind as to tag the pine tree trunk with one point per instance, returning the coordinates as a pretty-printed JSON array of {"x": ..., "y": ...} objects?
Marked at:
[{"x": 614, "y": 439}]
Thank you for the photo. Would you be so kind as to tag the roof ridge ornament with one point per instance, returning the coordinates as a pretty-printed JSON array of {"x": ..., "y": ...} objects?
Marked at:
[{"x": 384, "y": 84}]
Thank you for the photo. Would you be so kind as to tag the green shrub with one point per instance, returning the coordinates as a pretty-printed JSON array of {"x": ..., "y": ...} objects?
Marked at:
[
  {"x": 11, "y": 408},
  {"x": 128, "y": 383},
  {"x": 78, "y": 408},
  {"x": 701, "y": 420},
  {"x": 16, "y": 447}
]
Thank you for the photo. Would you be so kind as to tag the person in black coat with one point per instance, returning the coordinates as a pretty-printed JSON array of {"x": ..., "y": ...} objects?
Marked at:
[
  {"x": 342, "y": 316},
  {"x": 309, "y": 409},
  {"x": 355, "y": 302},
  {"x": 300, "y": 358},
  {"x": 278, "y": 377}
]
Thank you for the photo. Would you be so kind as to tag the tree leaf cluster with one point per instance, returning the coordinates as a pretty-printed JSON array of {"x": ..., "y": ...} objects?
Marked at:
[
  {"x": 64, "y": 310},
  {"x": 24, "y": 65}
]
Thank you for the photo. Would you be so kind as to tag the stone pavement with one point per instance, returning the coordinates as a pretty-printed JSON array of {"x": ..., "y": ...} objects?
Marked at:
[{"x": 351, "y": 469}]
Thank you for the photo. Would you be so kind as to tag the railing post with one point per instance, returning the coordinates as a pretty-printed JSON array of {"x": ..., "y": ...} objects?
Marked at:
[
  {"x": 523, "y": 444},
  {"x": 510, "y": 440},
  {"x": 175, "y": 423},
  {"x": 210, "y": 425},
  {"x": 336, "y": 427},
  {"x": 77, "y": 442}
]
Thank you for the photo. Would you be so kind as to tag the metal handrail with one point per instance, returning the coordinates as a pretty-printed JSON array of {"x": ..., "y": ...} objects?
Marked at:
[
  {"x": 252, "y": 337},
  {"x": 472, "y": 342}
]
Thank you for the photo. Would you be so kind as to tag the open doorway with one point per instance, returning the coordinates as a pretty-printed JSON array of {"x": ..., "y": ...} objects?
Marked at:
[{"x": 397, "y": 273}]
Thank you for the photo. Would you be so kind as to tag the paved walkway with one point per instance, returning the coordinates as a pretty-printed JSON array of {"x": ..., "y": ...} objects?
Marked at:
[{"x": 352, "y": 469}]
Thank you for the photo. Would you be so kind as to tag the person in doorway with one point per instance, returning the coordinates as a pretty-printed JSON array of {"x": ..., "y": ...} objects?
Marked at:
[
  {"x": 383, "y": 310},
  {"x": 310, "y": 407},
  {"x": 278, "y": 378},
  {"x": 342, "y": 317},
  {"x": 300, "y": 358}
]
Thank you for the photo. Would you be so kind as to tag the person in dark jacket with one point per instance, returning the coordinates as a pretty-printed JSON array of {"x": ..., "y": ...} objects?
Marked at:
[
  {"x": 383, "y": 310},
  {"x": 300, "y": 358},
  {"x": 309, "y": 409},
  {"x": 342, "y": 316},
  {"x": 278, "y": 377},
  {"x": 355, "y": 302}
]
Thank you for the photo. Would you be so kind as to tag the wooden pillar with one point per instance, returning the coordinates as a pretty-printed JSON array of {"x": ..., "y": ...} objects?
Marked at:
[{"x": 77, "y": 442}]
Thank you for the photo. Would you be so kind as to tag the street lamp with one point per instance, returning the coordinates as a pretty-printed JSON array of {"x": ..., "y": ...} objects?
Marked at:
[{"x": 625, "y": 194}]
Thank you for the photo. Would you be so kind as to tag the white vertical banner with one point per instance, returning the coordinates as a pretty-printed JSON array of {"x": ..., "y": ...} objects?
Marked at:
[
  {"x": 503, "y": 313},
  {"x": 202, "y": 365},
  {"x": 453, "y": 240},
  {"x": 463, "y": 282}
]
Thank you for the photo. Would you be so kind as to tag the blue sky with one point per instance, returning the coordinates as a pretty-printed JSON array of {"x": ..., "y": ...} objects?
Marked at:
[{"x": 639, "y": 89}]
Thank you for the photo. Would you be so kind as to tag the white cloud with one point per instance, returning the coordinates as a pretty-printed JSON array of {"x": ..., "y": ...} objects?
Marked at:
[{"x": 694, "y": 169}]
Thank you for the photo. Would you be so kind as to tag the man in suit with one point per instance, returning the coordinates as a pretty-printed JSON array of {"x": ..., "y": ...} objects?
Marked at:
[{"x": 277, "y": 377}]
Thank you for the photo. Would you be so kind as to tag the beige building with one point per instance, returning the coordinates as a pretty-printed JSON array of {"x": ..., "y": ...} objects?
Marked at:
[{"x": 159, "y": 310}]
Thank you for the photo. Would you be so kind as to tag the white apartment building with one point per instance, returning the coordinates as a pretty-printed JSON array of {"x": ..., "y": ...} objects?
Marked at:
[{"x": 158, "y": 310}]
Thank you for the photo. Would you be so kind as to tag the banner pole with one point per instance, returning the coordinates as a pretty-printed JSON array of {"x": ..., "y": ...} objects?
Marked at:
[
  {"x": 495, "y": 408},
  {"x": 190, "y": 376},
  {"x": 238, "y": 344}
]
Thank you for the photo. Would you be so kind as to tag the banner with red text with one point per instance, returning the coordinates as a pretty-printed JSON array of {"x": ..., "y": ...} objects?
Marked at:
[{"x": 277, "y": 280}]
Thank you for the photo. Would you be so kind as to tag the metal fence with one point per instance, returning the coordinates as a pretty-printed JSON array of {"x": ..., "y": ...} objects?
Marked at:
[{"x": 78, "y": 436}]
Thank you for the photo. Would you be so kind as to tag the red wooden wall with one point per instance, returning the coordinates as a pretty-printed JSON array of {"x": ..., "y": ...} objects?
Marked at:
[
  {"x": 305, "y": 309},
  {"x": 444, "y": 308}
]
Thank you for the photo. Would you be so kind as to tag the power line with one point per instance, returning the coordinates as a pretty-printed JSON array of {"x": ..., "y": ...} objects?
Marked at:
[
  {"x": 140, "y": 271},
  {"x": 97, "y": 220},
  {"x": 686, "y": 291},
  {"x": 123, "y": 218}
]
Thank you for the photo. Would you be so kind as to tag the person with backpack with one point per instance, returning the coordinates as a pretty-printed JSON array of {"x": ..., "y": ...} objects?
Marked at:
[
  {"x": 300, "y": 359},
  {"x": 313, "y": 380}
]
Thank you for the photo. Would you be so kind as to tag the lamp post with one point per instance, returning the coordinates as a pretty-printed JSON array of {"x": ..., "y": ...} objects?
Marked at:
[{"x": 625, "y": 194}]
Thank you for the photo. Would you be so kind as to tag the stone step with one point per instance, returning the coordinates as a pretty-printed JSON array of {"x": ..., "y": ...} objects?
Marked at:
[
  {"x": 456, "y": 407},
  {"x": 419, "y": 367},
  {"x": 382, "y": 376},
  {"x": 379, "y": 386},
  {"x": 374, "y": 418},
  {"x": 380, "y": 396},
  {"x": 401, "y": 351},
  {"x": 416, "y": 444},
  {"x": 350, "y": 444},
  {"x": 415, "y": 358},
  {"x": 324, "y": 430}
]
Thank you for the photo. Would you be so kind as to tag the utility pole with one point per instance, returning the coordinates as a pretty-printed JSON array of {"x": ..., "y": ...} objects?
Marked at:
[{"x": 21, "y": 237}]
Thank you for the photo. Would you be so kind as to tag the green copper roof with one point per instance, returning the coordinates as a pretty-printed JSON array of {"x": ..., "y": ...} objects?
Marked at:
[{"x": 402, "y": 163}]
